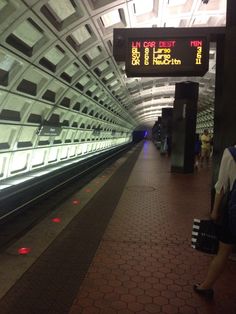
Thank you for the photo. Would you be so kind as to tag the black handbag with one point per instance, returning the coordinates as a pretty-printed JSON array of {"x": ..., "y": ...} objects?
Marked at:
[{"x": 205, "y": 236}]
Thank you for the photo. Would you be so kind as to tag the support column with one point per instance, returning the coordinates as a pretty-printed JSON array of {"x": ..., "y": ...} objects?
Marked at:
[
  {"x": 156, "y": 133},
  {"x": 184, "y": 127}
]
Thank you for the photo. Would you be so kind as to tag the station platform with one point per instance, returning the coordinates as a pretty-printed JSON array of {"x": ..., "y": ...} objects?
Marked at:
[{"x": 120, "y": 245}]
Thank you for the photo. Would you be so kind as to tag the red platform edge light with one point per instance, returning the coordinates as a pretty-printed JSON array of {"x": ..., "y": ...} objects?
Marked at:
[
  {"x": 88, "y": 190},
  {"x": 76, "y": 202},
  {"x": 56, "y": 219},
  {"x": 24, "y": 250}
]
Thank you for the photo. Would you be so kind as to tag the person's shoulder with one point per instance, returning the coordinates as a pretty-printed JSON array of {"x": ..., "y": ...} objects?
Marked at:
[
  {"x": 227, "y": 154},
  {"x": 231, "y": 151}
]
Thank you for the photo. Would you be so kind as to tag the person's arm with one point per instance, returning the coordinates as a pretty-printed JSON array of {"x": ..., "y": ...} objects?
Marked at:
[
  {"x": 216, "y": 207},
  {"x": 222, "y": 185}
]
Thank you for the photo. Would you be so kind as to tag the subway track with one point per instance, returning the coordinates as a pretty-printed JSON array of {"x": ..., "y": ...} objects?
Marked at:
[{"x": 24, "y": 208}]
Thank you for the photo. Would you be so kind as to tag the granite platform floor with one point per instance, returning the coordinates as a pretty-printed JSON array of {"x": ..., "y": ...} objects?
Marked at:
[{"x": 129, "y": 249}]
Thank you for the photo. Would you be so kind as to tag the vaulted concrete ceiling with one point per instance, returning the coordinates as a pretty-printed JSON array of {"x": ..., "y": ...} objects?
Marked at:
[
  {"x": 80, "y": 34},
  {"x": 57, "y": 69}
]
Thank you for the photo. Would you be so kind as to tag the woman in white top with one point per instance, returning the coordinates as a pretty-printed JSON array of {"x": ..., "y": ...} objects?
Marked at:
[{"x": 226, "y": 178}]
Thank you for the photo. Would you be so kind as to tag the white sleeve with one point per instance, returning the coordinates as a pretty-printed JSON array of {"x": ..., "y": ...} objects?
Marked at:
[{"x": 223, "y": 178}]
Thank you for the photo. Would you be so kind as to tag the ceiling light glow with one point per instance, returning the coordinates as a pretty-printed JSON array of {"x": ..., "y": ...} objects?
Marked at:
[
  {"x": 202, "y": 19},
  {"x": 142, "y": 7},
  {"x": 111, "y": 18},
  {"x": 176, "y": 2}
]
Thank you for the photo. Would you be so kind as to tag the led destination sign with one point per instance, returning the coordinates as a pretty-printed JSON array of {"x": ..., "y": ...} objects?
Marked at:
[{"x": 167, "y": 57}]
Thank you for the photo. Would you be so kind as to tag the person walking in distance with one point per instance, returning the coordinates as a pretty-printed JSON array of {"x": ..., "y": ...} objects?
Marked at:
[{"x": 205, "y": 147}]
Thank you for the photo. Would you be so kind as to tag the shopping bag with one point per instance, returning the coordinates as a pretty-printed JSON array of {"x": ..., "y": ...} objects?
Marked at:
[{"x": 205, "y": 236}]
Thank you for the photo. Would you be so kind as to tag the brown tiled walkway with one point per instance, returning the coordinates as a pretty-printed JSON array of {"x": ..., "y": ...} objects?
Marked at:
[{"x": 144, "y": 263}]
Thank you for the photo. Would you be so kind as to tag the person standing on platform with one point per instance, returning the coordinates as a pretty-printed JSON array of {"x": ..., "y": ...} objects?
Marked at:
[
  {"x": 205, "y": 147},
  {"x": 227, "y": 240}
]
